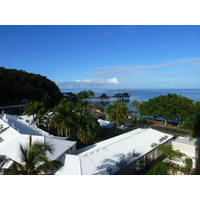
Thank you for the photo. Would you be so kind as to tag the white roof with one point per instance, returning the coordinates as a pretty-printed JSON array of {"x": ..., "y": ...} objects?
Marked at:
[
  {"x": 186, "y": 140},
  {"x": 95, "y": 159},
  {"x": 11, "y": 138},
  {"x": 103, "y": 122},
  {"x": 71, "y": 165}
]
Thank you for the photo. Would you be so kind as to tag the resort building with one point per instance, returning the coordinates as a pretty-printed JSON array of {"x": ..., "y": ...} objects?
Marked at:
[
  {"x": 15, "y": 130},
  {"x": 189, "y": 148},
  {"x": 128, "y": 153}
]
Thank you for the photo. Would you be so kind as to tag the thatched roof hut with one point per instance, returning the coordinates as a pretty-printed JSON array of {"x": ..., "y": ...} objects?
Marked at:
[
  {"x": 126, "y": 94},
  {"x": 103, "y": 96}
]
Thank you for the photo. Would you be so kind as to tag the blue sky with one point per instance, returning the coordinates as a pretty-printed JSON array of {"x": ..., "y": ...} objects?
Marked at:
[{"x": 110, "y": 57}]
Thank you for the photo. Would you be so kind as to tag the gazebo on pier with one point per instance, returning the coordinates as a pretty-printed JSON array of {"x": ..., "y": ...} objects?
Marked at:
[
  {"x": 103, "y": 96},
  {"x": 122, "y": 97},
  {"x": 119, "y": 97}
]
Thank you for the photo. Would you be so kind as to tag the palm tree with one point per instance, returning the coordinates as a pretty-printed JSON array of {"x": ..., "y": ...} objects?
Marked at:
[
  {"x": 63, "y": 118},
  {"x": 135, "y": 104},
  {"x": 33, "y": 160},
  {"x": 37, "y": 108},
  {"x": 86, "y": 127},
  {"x": 117, "y": 113},
  {"x": 192, "y": 124},
  {"x": 84, "y": 104}
]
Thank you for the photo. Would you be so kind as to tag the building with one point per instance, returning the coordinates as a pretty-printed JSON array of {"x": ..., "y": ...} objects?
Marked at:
[
  {"x": 128, "y": 153},
  {"x": 189, "y": 148},
  {"x": 15, "y": 130}
]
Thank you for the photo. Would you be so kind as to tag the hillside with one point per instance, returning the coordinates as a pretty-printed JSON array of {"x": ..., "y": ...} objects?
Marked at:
[{"x": 16, "y": 85}]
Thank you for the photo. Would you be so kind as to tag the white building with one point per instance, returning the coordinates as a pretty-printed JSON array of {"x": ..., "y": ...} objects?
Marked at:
[
  {"x": 15, "y": 130},
  {"x": 124, "y": 154},
  {"x": 188, "y": 147}
]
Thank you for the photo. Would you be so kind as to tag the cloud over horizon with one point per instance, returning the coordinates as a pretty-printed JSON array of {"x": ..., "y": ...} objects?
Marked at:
[
  {"x": 100, "y": 81},
  {"x": 88, "y": 83}
]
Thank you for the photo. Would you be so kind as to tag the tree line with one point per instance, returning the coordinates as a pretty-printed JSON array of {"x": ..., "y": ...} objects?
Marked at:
[
  {"x": 18, "y": 85},
  {"x": 170, "y": 107}
]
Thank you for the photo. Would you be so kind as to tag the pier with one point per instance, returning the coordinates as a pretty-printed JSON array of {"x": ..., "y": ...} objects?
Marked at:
[{"x": 117, "y": 97}]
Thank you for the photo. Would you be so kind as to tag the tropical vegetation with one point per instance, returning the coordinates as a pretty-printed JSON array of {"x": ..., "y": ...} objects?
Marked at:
[
  {"x": 37, "y": 110},
  {"x": 73, "y": 121},
  {"x": 63, "y": 118},
  {"x": 85, "y": 94},
  {"x": 18, "y": 85},
  {"x": 161, "y": 168},
  {"x": 170, "y": 107},
  {"x": 192, "y": 122},
  {"x": 34, "y": 160},
  {"x": 170, "y": 165},
  {"x": 117, "y": 113}
]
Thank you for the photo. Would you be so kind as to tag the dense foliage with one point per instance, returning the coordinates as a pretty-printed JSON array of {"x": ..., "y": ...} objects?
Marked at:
[
  {"x": 168, "y": 151},
  {"x": 170, "y": 107},
  {"x": 192, "y": 122},
  {"x": 161, "y": 169},
  {"x": 117, "y": 113},
  {"x": 16, "y": 85},
  {"x": 85, "y": 94},
  {"x": 73, "y": 121}
]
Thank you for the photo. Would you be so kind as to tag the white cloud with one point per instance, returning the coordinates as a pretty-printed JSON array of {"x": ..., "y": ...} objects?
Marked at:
[
  {"x": 99, "y": 81},
  {"x": 117, "y": 70},
  {"x": 88, "y": 83}
]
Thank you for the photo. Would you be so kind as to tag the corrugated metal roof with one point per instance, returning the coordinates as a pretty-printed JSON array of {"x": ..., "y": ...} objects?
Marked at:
[
  {"x": 71, "y": 165},
  {"x": 95, "y": 159},
  {"x": 12, "y": 138}
]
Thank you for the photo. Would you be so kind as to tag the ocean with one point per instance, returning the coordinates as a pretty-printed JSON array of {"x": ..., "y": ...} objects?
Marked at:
[{"x": 142, "y": 94}]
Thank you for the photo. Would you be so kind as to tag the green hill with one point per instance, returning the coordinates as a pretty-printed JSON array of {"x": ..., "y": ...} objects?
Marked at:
[{"x": 17, "y": 85}]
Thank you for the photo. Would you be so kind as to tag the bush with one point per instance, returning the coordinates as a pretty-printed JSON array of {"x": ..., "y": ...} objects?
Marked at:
[{"x": 161, "y": 169}]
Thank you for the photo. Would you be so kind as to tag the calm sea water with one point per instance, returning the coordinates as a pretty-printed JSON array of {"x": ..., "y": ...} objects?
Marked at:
[{"x": 142, "y": 94}]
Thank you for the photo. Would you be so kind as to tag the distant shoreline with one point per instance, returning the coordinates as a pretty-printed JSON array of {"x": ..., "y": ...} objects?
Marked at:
[{"x": 143, "y": 94}]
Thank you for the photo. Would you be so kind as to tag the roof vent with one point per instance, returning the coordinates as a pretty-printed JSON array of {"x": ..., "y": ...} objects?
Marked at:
[
  {"x": 109, "y": 170},
  {"x": 1, "y": 140},
  {"x": 153, "y": 145},
  {"x": 121, "y": 164},
  {"x": 163, "y": 138},
  {"x": 135, "y": 155}
]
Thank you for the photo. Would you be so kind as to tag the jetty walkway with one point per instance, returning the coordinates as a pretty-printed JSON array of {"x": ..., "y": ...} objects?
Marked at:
[{"x": 117, "y": 97}]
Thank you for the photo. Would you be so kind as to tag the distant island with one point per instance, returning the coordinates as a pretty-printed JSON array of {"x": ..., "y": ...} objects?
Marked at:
[{"x": 18, "y": 86}]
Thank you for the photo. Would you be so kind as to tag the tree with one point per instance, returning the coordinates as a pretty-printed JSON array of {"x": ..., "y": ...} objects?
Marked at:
[
  {"x": 192, "y": 123},
  {"x": 170, "y": 107},
  {"x": 117, "y": 113},
  {"x": 135, "y": 104},
  {"x": 85, "y": 94},
  {"x": 35, "y": 108},
  {"x": 188, "y": 165},
  {"x": 86, "y": 126},
  {"x": 185, "y": 107},
  {"x": 168, "y": 151},
  {"x": 34, "y": 160},
  {"x": 16, "y": 85},
  {"x": 142, "y": 108},
  {"x": 63, "y": 118},
  {"x": 84, "y": 104},
  {"x": 159, "y": 169}
]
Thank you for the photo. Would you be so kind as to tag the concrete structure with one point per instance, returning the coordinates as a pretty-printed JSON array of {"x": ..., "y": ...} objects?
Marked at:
[
  {"x": 15, "y": 130},
  {"x": 128, "y": 153},
  {"x": 187, "y": 147}
]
